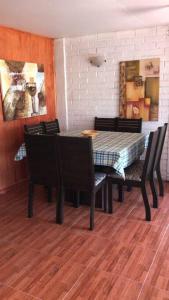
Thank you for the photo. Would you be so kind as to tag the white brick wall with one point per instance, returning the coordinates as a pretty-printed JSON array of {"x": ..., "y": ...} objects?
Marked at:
[
  {"x": 93, "y": 91},
  {"x": 61, "y": 83}
]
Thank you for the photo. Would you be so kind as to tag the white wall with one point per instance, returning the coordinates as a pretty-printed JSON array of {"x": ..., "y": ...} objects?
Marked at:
[
  {"x": 92, "y": 91},
  {"x": 61, "y": 83}
]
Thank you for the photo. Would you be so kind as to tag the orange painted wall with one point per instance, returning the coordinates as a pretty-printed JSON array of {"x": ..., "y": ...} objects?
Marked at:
[{"x": 21, "y": 46}]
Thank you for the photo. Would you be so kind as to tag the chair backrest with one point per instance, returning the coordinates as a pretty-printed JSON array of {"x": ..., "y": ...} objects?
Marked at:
[
  {"x": 76, "y": 163},
  {"x": 129, "y": 125},
  {"x": 162, "y": 134},
  {"x": 150, "y": 154},
  {"x": 105, "y": 124},
  {"x": 34, "y": 128},
  {"x": 42, "y": 159},
  {"x": 51, "y": 127}
]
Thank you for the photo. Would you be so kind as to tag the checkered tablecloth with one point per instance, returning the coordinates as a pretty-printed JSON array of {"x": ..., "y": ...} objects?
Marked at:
[
  {"x": 113, "y": 149},
  {"x": 21, "y": 153}
]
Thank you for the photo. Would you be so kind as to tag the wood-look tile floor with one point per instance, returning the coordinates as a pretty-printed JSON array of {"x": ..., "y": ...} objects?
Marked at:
[{"x": 124, "y": 258}]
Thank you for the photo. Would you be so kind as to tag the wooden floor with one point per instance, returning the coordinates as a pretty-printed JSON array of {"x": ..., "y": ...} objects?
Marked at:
[{"x": 124, "y": 258}]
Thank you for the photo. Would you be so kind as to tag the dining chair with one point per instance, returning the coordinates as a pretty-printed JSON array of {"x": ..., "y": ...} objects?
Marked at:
[
  {"x": 34, "y": 128},
  {"x": 42, "y": 164},
  {"x": 77, "y": 172},
  {"x": 51, "y": 127},
  {"x": 156, "y": 170},
  {"x": 37, "y": 129},
  {"x": 129, "y": 125},
  {"x": 105, "y": 124},
  {"x": 137, "y": 174}
]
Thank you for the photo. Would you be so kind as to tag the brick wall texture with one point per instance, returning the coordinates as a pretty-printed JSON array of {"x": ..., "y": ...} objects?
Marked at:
[{"x": 89, "y": 91}]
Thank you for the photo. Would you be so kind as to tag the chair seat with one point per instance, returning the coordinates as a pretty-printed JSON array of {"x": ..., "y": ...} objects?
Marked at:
[
  {"x": 132, "y": 172},
  {"x": 99, "y": 177}
]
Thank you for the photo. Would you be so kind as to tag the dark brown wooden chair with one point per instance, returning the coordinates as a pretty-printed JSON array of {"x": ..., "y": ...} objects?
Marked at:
[
  {"x": 105, "y": 124},
  {"x": 34, "y": 128},
  {"x": 77, "y": 172},
  {"x": 42, "y": 163},
  {"x": 156, "y": 170},
  {"x": 137, "y": 174},
  {"x": 38, "y": 129},
  {"x": 129, "y": 125},
  {"x": 51, "y": 127}
]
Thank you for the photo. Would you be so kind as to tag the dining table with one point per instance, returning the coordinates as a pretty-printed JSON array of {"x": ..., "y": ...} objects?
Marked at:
[
  {"x": 117, "y": 150},
  {"x": 111, "y": 149}
]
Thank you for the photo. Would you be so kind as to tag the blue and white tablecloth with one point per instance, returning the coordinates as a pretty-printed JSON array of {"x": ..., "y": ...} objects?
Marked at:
[
  {"x": 111, "y": 149},
  {"x": 21, "y": 153},
  {"x": 115, "y": 149}
]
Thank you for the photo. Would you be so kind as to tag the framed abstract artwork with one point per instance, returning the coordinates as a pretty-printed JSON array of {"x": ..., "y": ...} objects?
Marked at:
[
  {"x": 22, "y": 89},
  {"x": 139, "y": 89}
]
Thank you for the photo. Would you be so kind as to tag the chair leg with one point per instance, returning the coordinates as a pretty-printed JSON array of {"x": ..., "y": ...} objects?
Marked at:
[
  {"x": 30, "y": 200},
  {"x": 105, "y": 197},
  {"x": 129, "y": 188},
  {"x": 160, "y": 182},
  {"x": 49, "y": 194},
  {"x": 92, "y": 208},
  {"x": 121, "y": 193},
  {"x": 146, "y": 203},
  {"x": 110, "y": 200},
  {"x": 76, "y": 199},
  {"x": 154, "y": 193},
  {"x": 60, "y": 207}
]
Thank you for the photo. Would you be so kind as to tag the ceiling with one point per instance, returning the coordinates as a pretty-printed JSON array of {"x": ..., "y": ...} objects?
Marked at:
[{"x": 64, "y": 18}]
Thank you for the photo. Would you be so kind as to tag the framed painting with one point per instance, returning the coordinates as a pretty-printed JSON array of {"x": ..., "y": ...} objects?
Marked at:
[
  {"x": 139, "y": 89},
  {"x": 22, "y": 89}
]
